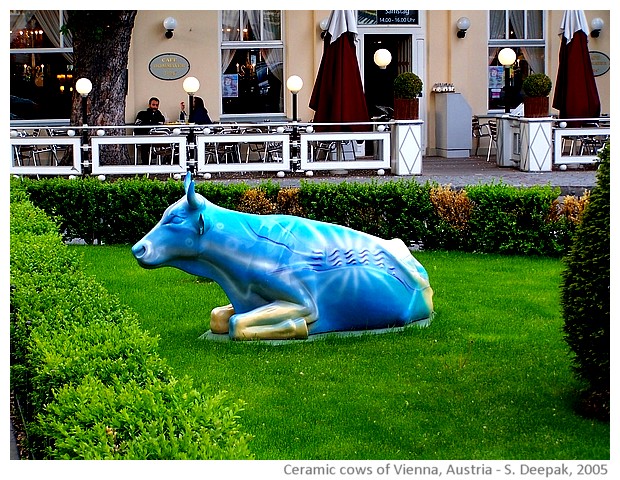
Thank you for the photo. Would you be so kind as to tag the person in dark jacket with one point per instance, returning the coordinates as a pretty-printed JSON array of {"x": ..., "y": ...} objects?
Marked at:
[
  {"x": 199, "y": 114},
  {"x": 150, "y": 117}
]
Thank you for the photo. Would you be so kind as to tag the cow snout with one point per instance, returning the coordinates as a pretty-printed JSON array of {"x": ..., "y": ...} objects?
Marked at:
[{"x": 143, "y": 252}]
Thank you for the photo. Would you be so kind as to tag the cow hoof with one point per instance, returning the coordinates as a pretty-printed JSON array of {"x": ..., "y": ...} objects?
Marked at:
[
  {"x": 220, "y": 317},
  {"x": 300, "y": 328}
]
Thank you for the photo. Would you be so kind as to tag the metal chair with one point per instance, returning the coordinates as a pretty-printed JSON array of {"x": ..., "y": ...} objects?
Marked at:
[
  {"x": 229, "y": 150},
  {"x": 32, "y": 153},
  {"x": 493, "y": 137},
  {"x": 161, "y": 152},
  {"x": 259, "y": 149},
  {"x": 479, "y": 131}
]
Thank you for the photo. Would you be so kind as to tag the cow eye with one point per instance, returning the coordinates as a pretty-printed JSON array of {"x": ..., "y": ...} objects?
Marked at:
[{"x": 174, "y": 219}]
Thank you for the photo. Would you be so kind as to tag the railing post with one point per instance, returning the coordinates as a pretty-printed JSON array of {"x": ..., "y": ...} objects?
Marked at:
[
  {"x": 536, "y": 144},
  {"x": 406, "y": 147},
  {"x": 85, "y": 148}
]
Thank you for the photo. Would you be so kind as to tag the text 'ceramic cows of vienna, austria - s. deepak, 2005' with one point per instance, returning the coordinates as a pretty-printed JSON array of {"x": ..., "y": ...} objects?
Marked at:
[{"x": 288, "y": 277}]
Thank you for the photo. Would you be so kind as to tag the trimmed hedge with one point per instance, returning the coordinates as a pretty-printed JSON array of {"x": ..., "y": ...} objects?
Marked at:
[
  {"x": 586, "y": 297},
  {"x": 89, "y": 381},
  {"x": 495, "y": 218}
]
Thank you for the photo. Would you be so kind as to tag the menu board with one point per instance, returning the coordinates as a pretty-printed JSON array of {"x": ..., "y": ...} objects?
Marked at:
[{"x": 397, "y": 17}]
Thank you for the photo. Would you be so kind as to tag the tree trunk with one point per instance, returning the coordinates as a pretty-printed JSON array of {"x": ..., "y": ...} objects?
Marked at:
[{"x": 101, "y": 41}]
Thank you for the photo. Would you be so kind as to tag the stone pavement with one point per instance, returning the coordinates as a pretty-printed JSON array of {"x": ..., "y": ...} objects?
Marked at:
[{"x": 458, "y": 172}]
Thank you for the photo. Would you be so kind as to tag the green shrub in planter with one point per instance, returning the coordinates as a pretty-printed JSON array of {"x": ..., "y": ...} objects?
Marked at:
[
  {"x": 537, "y": 85},
  {"x": 407, "y": 85},
  {"x": 536, "y": 102}
]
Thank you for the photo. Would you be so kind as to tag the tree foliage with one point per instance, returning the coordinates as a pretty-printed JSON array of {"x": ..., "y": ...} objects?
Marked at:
[{"x": 586, "y": 296}]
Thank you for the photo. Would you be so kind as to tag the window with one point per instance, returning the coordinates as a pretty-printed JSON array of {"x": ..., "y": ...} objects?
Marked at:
[
  {"x": 41, "y": 66},
  {"x": 523, "y": 31},
  {"x": 252, "y": 62}
]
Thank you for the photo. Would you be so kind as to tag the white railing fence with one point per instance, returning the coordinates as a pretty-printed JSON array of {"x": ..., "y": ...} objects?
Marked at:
[
  {"x": 542, "y": 144},
  {"x": 203, "y": 149},
  {"x": 528, "y": 144}
]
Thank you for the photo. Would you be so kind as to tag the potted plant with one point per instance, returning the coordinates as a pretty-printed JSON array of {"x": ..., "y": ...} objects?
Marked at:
[
  {"x": 407, "y": 89},
  {"x": 536, "y": 88}
]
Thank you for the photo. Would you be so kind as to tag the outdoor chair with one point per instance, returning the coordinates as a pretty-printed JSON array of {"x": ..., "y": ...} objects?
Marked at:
[
  {"x": 256, "y": 149},
  {"x": 161, "y": 152},
  {"x": 479, "y": 131},
  {"x": 493, "y": 137},
  {"x": 33, "y": 153}
]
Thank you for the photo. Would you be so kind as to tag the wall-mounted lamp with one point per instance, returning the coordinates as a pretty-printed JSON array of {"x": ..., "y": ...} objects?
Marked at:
[
  {"x": 324, "y": 25},
  {"x": 382, "y": 58},
  {"x": 597, "y": 25},
  {"x": 462, "y": 24},
  {"x": 506, "y": 57},
  {"x": 170, "y": 23}
]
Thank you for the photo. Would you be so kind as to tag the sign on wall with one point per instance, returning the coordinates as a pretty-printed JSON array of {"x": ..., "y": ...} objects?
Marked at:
[
  {"x": 169, "y": 66},
  {"x": 397, "y": 17},
  {"x": 600, "y": 63}
]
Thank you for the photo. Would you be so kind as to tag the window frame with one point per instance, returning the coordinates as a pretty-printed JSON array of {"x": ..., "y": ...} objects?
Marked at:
[
  {"x": 242, "y": 44},
  {"x": 61, "y": 49},
  {"x": 514, "y": 43}
]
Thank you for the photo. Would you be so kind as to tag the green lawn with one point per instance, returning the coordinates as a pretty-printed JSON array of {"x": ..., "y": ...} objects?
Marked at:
[{"x": 489, "y": 379}]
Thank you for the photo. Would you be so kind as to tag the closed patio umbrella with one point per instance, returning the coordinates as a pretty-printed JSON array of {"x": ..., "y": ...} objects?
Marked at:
[
  {"x": 576, "y": 95},
  {"x": 338, "y": 93}
]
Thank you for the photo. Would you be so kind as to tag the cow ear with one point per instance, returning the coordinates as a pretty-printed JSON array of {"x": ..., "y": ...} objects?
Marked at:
[
  {"x": 192, "y": 197},
  {"x": 188, "y": 181},
  {"x": 201, "y": 225}
]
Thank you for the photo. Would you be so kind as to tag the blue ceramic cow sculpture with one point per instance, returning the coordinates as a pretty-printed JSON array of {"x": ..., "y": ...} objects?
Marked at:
[{"x": 285, "y": 276}]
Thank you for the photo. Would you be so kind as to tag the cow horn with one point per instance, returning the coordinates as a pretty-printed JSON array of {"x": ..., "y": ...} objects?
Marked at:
[{"x": 190, "y": 191}]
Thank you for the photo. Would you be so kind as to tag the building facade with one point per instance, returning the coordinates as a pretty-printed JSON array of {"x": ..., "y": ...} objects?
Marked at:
[{"x": 242, "y": 59}]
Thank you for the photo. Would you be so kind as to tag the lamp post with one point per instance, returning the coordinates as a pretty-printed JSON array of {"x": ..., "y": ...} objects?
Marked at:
[
  {"x": 382, "y": 58},
  {"x": 191, "y": 86},
  {"x": 294, "y": 84},
  {"x": 84, "y": 86},
  {"x": 506, "y": 57}
]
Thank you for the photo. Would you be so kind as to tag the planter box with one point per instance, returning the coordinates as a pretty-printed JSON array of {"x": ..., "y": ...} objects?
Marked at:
[
  {"x": 406, "y": 108},
  {"x": 536, "y": 107}
]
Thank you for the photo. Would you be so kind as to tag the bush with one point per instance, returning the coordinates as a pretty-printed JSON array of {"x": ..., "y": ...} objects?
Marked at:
[
  {"x": 407, "y": 85},
  {"x": 537, "y": 85},
  {"x": 586, "y": 297},
  {"x": 89, "y": 380},
  {"x": 513, "y": 220},
  {"x": 454, "y": 209},
  {"x": 484, "y": 218}
]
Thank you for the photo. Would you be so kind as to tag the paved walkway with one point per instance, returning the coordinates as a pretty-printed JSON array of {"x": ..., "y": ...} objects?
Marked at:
[{"x": 458, "y": 172}]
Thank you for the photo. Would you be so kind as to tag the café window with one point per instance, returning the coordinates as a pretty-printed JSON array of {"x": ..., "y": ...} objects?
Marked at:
[
  {"x": 523, "y": 31},
  {"x": 252, "y": 62},
  {"x": 41, "y": 66}
]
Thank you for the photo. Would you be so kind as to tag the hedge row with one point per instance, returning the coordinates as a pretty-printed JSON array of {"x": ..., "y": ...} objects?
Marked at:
[
  {"x": 88, "y": 380},
  {"x": 492, "y": 218}
]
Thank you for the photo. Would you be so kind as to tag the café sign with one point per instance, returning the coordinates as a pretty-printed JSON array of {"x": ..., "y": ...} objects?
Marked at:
[
  {"x": 600, "y": 63},
  {"x": 397, "y": 17},
  {"x": 169, "y": 66}
]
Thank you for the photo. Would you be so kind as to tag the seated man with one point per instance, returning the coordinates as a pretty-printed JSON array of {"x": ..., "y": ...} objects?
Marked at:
[{"x": 150, "y": 117}]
